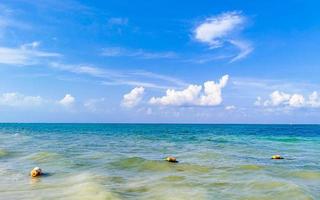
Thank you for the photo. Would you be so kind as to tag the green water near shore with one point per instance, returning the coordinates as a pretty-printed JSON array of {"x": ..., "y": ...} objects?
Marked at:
[{"x": 97, "y": 161}]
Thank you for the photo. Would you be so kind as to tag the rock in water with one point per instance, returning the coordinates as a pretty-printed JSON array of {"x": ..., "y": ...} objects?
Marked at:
[
  {"x": 171, "y": 159},
  {"x": 36, "y": 172},
  {"x": 276, "y": 157}
]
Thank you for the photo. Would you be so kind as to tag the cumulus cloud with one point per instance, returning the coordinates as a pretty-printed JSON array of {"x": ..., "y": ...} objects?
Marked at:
[
  {"x": 296, "y": 100},
  {"x": 194, "y": 95},
  {"x": 214, "y": 29},
  {"x": 67, "y": 100},
  {"x": 278, "y": 98},
  {"x": 218, "y": 30},
  {"x": 15, "y": 99},
  {"x": 184, "y": 97},
  {"x": 133, "y": 98}
]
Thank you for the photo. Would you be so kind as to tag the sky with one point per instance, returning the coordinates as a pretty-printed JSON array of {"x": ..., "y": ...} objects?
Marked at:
[{"x": 164, "y": 61}]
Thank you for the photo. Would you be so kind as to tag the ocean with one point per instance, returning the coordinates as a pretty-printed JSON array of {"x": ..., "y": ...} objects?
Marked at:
[{"x": 126, "y": 161}]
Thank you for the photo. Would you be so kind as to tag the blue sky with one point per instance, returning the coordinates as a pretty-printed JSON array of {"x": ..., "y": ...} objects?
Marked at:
[{"x": 160, "y": 61}]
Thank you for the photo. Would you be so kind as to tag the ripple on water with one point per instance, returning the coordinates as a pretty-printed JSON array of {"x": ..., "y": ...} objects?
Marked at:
[
  {"x": 84, "y": 186},
  {"x": 88, "y": 191},
  {"x": 276, "y": 190},
  {"x": 60, "y": 161},
  {"x": 304, "y": 174},
  {"x": 251, "y": 167},
  {"x": 286, "y": 139},
  {"x": 174, "y": 178},
  {"x": 167, "y": 191},
  {"x": 43, "y": 157},
  {"x": 141, "y": 164},
  {"x": 208, "y": 155},
  {"x": 4, "y": 153}
]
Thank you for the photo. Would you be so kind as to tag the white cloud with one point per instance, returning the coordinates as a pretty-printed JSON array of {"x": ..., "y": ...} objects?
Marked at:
[
  {"x": 187, "y": 96},
  {"x": 194, "y": 95},
  {"x": 26, "y": 54},
  {"x": 232, "y": 107},
  {"x": 93, "y": 105},
  {"x": 7, "y": 21},
  {"x": 137, "y": 53},
  {"x": 32, "y": 45},
  {"x": 162, "y": 77},
  {"x": 133, "y": 98},
  {"x": 258, "y": 101},
  {"x": 14, "y": 99},
  {"x": 215, "y": 29},
  {"x": 314, "y": 100},
  {"x": 67, "y": 100},
  {"x": 244, "y": 47},
  {"x": 117, "y": 21},
  {"x": 117, "y": 24},
  {"x": 86, "y": 69},
  {"x": 296, "y": 100},
  {"x": 278, "y": 98},
  {"x": 114, "y": 77},
  {"x": 218, "y": 30}
]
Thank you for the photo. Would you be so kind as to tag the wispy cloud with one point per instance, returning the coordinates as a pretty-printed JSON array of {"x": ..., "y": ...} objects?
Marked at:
[
  {"x": 14, "y": 99},
  {"x": 63, "y": 6},
  {"x": 8, "y": 21},
  {"x": 207, "y": 58},
  {"x": 94, "y": 105},
  {"x": 116, "y": 77},
  {"x": 26, "y": 54},
  {"x": 136, "y": 53},
  {"x": 87, "y": 70},
  {"x": 268, "y": 85},
  {"x": 118, "y": 21},
  {"x": 118, "y": 25},
  {"x": 176, "y": 81},
  {"x": 220, "y": 30},
  {"x": 136, "y": 83},
  {"x": 19, "y": 100},
  {"x": 232, "y": 107},
  {"x": 245, "y": 48}
]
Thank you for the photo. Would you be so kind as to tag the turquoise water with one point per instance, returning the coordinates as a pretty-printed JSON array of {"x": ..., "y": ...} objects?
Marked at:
[{"x": 125, "y": 161}]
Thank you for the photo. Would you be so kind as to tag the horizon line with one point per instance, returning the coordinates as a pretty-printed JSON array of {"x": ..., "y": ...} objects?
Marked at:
[{"x": 159, "y": 123}]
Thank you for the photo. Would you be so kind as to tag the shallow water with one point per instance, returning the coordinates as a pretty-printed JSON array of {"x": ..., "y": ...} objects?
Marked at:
[{"x": 119, "y": 161}]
